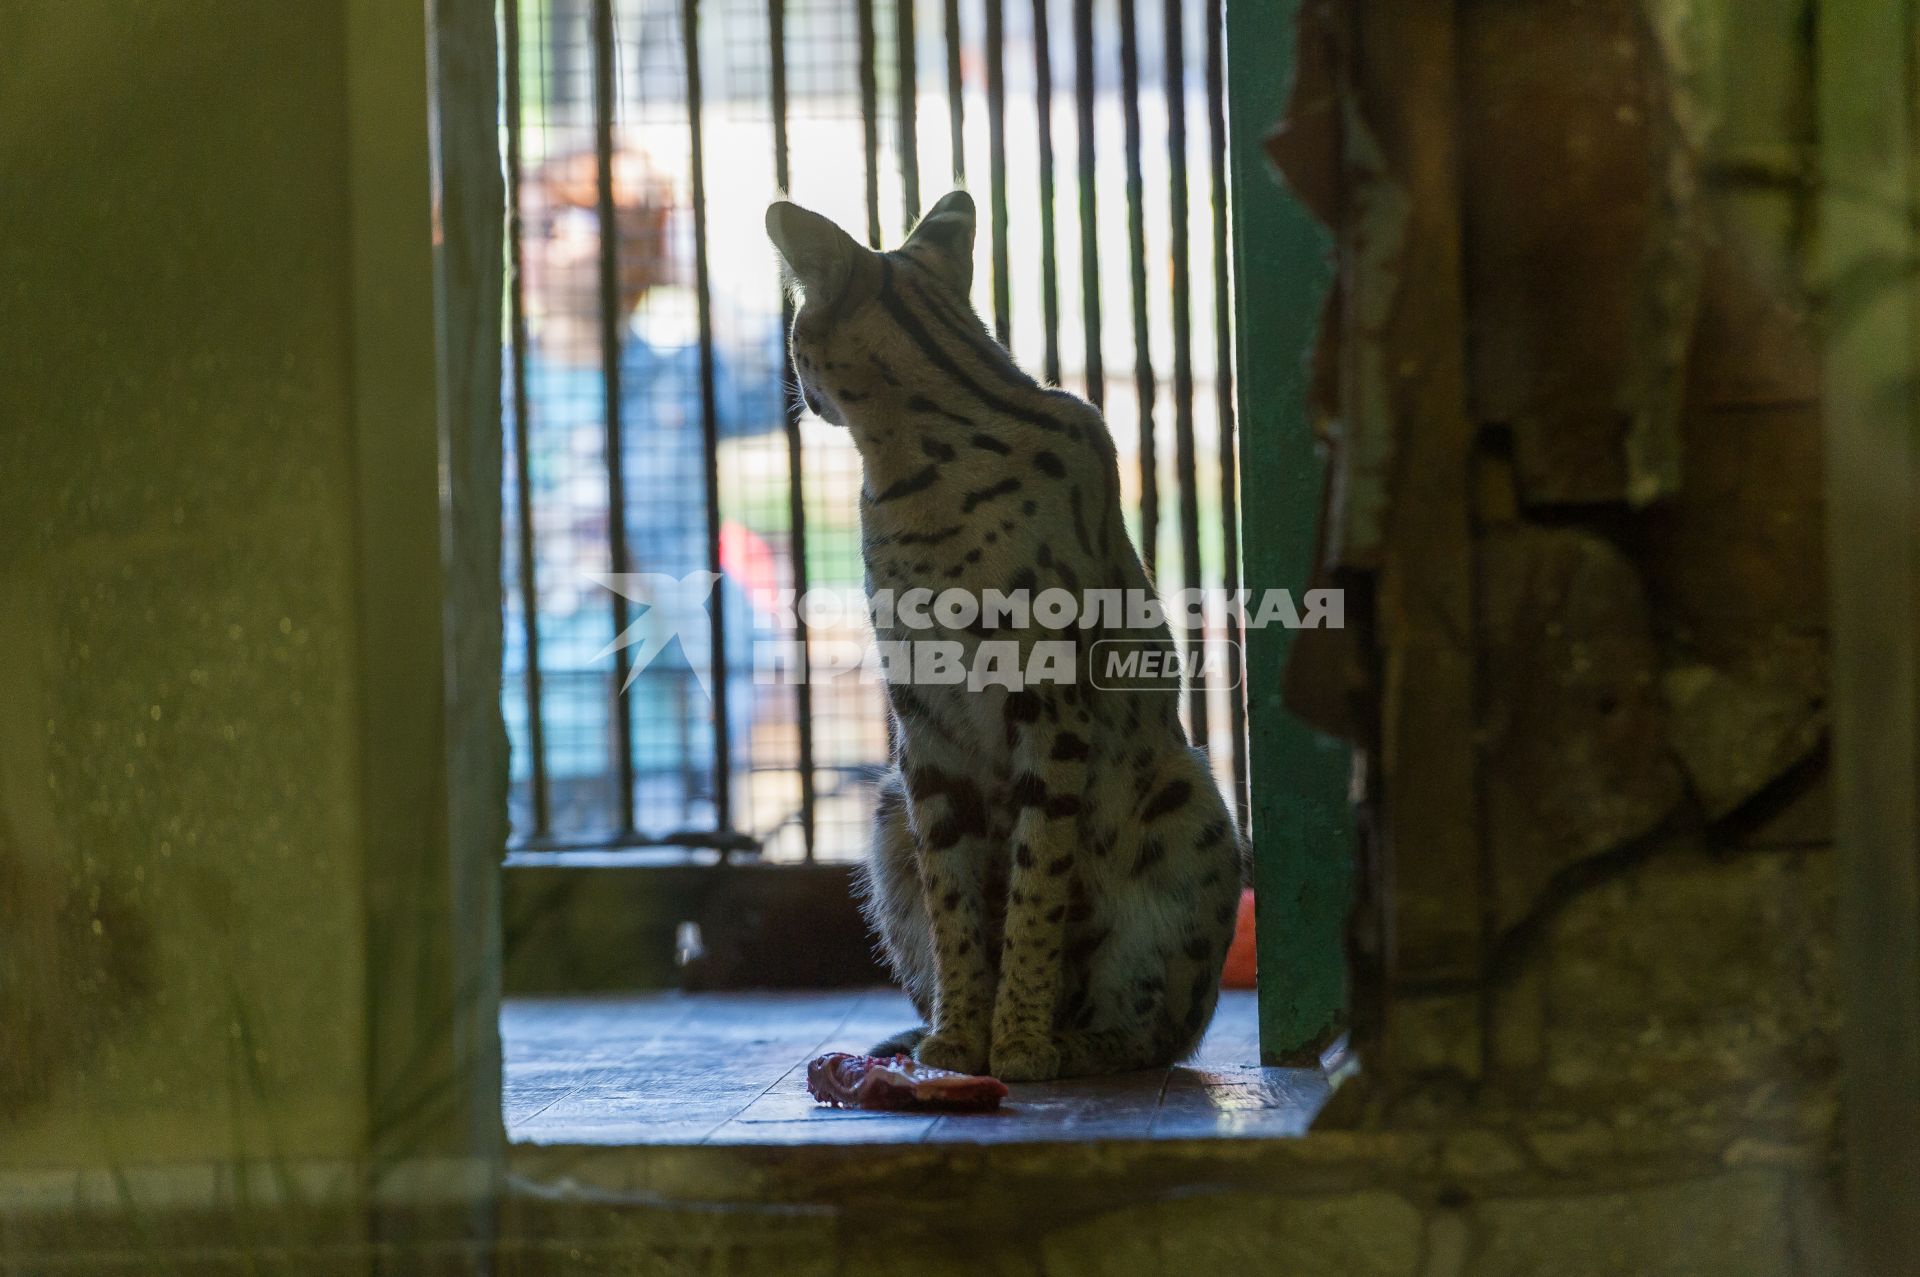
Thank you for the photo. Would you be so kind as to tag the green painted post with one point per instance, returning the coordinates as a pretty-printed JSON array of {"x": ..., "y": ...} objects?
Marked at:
[{"x": 1301, "y": 826}]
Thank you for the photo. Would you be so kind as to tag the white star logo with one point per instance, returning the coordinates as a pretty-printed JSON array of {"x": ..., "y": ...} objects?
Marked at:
[{"x": 669, "y": 608}]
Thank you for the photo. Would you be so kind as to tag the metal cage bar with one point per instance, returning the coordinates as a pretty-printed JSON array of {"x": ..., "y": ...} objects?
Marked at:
[
  {"x": 709, "y": 419},
  {"x": 908, "y": 89},
  {"x": 997, "y": 167},
  {"x": 1216, "y": 20},
  {"x": 1186, "y": 467},
  {"x": 796, "y": 472},
  {"x": 870, "y": 117},
  {"x": 522, "y": 427},
  {"x": 609, "y": 300},
  {"x": 887, "y": 79},
  {"x": 956, "y": 92},
  {"x": 1145, "y": 388},
  {"x": 1043, "y": 114},
  {"x": 1083, "y": 102}
]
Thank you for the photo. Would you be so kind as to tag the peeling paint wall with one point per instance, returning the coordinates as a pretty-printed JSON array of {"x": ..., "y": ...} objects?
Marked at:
[{"x": 1572, "y": 399}]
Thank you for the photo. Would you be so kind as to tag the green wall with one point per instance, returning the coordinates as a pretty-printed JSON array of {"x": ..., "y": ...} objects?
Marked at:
[
  {"x": 178, "y": 749},
  {"x": 1301, "y": 827},
  {"x": 252, "y": 799}
]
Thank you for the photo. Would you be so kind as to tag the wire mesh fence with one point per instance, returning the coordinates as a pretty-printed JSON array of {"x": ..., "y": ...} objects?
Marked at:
[{"x": 664, "y": 485}]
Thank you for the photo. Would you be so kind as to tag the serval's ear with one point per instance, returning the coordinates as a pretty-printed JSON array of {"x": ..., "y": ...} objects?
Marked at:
[
  {"x": 820, "y": 254},
  {"x": 943, "y": 241}
]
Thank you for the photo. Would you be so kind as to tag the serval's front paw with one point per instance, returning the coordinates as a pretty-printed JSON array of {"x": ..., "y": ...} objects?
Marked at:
[
  {"x": 947, "y": 1050},
  {"x": 1024, "y": 1058},
  {"x": 901, "y": 1043}
]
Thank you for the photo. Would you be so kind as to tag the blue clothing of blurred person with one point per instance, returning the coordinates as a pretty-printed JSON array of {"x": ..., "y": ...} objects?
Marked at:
[{"x": 663, "y": 472}]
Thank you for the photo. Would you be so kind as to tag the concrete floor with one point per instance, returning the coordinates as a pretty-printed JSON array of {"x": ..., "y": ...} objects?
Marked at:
[{"x": 730, "y": 1069}]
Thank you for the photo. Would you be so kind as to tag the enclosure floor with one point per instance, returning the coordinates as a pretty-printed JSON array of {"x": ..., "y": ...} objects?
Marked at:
[{"x": 730, "y": 1068}]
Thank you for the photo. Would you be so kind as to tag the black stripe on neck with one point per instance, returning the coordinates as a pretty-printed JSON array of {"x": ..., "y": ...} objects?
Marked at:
[
  {"x": 918, "y": 481},
  {"x": 972, "y": 335},
  {"x": 939, "y": 358}
]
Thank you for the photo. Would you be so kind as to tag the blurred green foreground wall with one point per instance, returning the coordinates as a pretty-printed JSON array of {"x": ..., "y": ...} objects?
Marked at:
[
  {"x": 183, "y": 934},
  {"x": 229, "y": 972}
]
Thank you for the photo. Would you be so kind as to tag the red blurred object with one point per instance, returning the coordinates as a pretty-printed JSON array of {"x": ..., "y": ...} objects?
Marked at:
[
  {"x": 1241, "y": 960},
  {"x": 898, "y": 1082},
  {"x": 748, "y": 559}
]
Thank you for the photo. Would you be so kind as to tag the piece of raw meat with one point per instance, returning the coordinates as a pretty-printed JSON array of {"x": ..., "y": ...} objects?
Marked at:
[{"x": 898, "y": 1082}]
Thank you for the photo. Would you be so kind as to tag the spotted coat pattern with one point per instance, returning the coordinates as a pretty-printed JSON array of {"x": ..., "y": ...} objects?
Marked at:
[{"x": 1053, "y": 874}]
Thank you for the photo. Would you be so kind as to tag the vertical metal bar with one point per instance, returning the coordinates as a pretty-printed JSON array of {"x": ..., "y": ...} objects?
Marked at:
[
  {"x": 1143, "y": 381},
  {"x": 1223, "y": 392},
  {"x": 790, "y": 402},
  {"x": 1185, "y": 464},
  {"x": 709, "y": 421},
  {"x": 956, "y": 89},
  {"x": 797, "y": 523},
  {"x": 1049, "y": 274},
  {"x": 567, "y": 20},
  {"x": 1083, "y": 87},
  {"x": 909, "y": 89},
  {"x": 870, "y": 118},
  {"x": 683, "y": 736},
  {"x": 522, "y": 427},
  {"x": 610, "y": 335},
  {"x": 997, "y": 165}
]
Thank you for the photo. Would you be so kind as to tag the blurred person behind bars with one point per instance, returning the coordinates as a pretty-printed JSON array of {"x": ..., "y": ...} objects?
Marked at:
[{"x": 663, "y": 470}]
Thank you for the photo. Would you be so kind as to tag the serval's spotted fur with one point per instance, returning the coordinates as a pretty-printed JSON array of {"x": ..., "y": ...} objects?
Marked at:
[{"x": 1053, "y": 872}]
